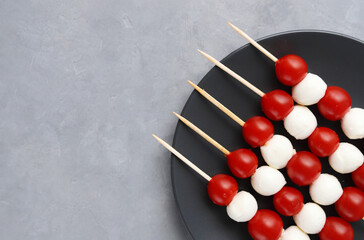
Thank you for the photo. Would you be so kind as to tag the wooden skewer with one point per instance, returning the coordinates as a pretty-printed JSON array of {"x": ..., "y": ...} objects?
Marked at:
[
  {"x": 203, "y": 134},
  {"x": 183, "y": 158},
  {"x": 217, "y": 104},
  {"x": 233, "y": 74},
  {"x": 254, "y": 43}
]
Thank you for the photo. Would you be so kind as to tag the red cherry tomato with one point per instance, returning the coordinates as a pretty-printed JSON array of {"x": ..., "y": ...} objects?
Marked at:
[
  {"x": 277, "y": 104},
  {"x": 222, "y": 189},
  {"x": 291, "y": 69},
  {"x": 288, "y": 201},
  {"x": 350, "y": 205},
  {"x": 265, "y": 225},
  {"x": 336, "y": 229},
  {"x": 257, "y": 131},
  {"x": 358, "y": 177},
  {"x": 304, "y": 168},
  {"x": 242, "y": 162},
  {"x": 335, "y": 104},
  {"x": 323, "y": 142}
]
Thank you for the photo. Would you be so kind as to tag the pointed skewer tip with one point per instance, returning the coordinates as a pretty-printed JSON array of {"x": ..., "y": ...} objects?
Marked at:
[
  {"x": 233, "y": 26},
  {"x": 203, "y": 53},
  {"x": 179, "y": 117},
  {"x": 157, "y": 138},
  {"x": 234, "y": 75},
  {"x": 183, "y": 158},
  {"x": 254, "y": 43},
  {"x": 191, "y": 83}
]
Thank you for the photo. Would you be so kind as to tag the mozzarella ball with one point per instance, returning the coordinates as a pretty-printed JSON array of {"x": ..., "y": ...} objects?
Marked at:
[
  {"x": 294, "y": 233},
  {"x": 243, "y": 207},
  {"x": 277, "y": 151},
  {"x": 346, "y": 159},
  {"x": 326, "y": 189},
  {"x": 300, "y": 123},
  {"x": 267, "y": 181},
  {"x": 353, "y": 123},
  {"x": 310, "y": 90},
  {"x": 311, "y": 219}
]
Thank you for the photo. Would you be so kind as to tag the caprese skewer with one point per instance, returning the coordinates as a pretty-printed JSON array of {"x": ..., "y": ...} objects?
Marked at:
[{"x": 240, "y": 206}]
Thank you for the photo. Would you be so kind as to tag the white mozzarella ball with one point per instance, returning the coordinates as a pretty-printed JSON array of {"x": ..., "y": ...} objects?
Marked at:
[
  {"x": 277, "y": 151},
  {"x": 267, "y": 181},
  {"x": 294, "y": 233},
  {"x": 353, "y": 123},
  {"x": 326, "y": 189},
  {"x": 310, "y": 90},
  {"x": 311, "y": 219},
  {"x": 243, "y": 207},
  {"x": 346, "y": 159},
  {"x": 300, "y": 123}
]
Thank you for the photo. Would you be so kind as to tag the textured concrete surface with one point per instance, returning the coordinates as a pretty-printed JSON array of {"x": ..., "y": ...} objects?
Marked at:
[{"x": 83, "y": 86}]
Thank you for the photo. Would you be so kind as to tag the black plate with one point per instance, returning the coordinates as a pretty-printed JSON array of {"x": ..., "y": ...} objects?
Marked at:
[{"x": 338, "y": 59}]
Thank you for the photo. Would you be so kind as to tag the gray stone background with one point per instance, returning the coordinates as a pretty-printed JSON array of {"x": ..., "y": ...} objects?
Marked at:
[{"x": 85, "y": 83}]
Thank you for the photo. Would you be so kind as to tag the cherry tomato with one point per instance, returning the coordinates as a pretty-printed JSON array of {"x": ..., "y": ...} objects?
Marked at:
[
  {"x": 304, "y": 168},
  {"x": 222, "y": 189},
  {"x": 288, "y": 201},
  {"x": 358, "y": 177},
  {"x": 242, "y": 162},
  {"x": 291, "y": 69},
  {"x": 265, "y": 225},
  {"x": 350, "y": 205},
  {"x": 277, "y": 104},
  {"x": 323, "y": 142},
  {"x": 257, "y": 131},
  {"x": 336, "y": 229},
  {"x": 335, "y": 104}
]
